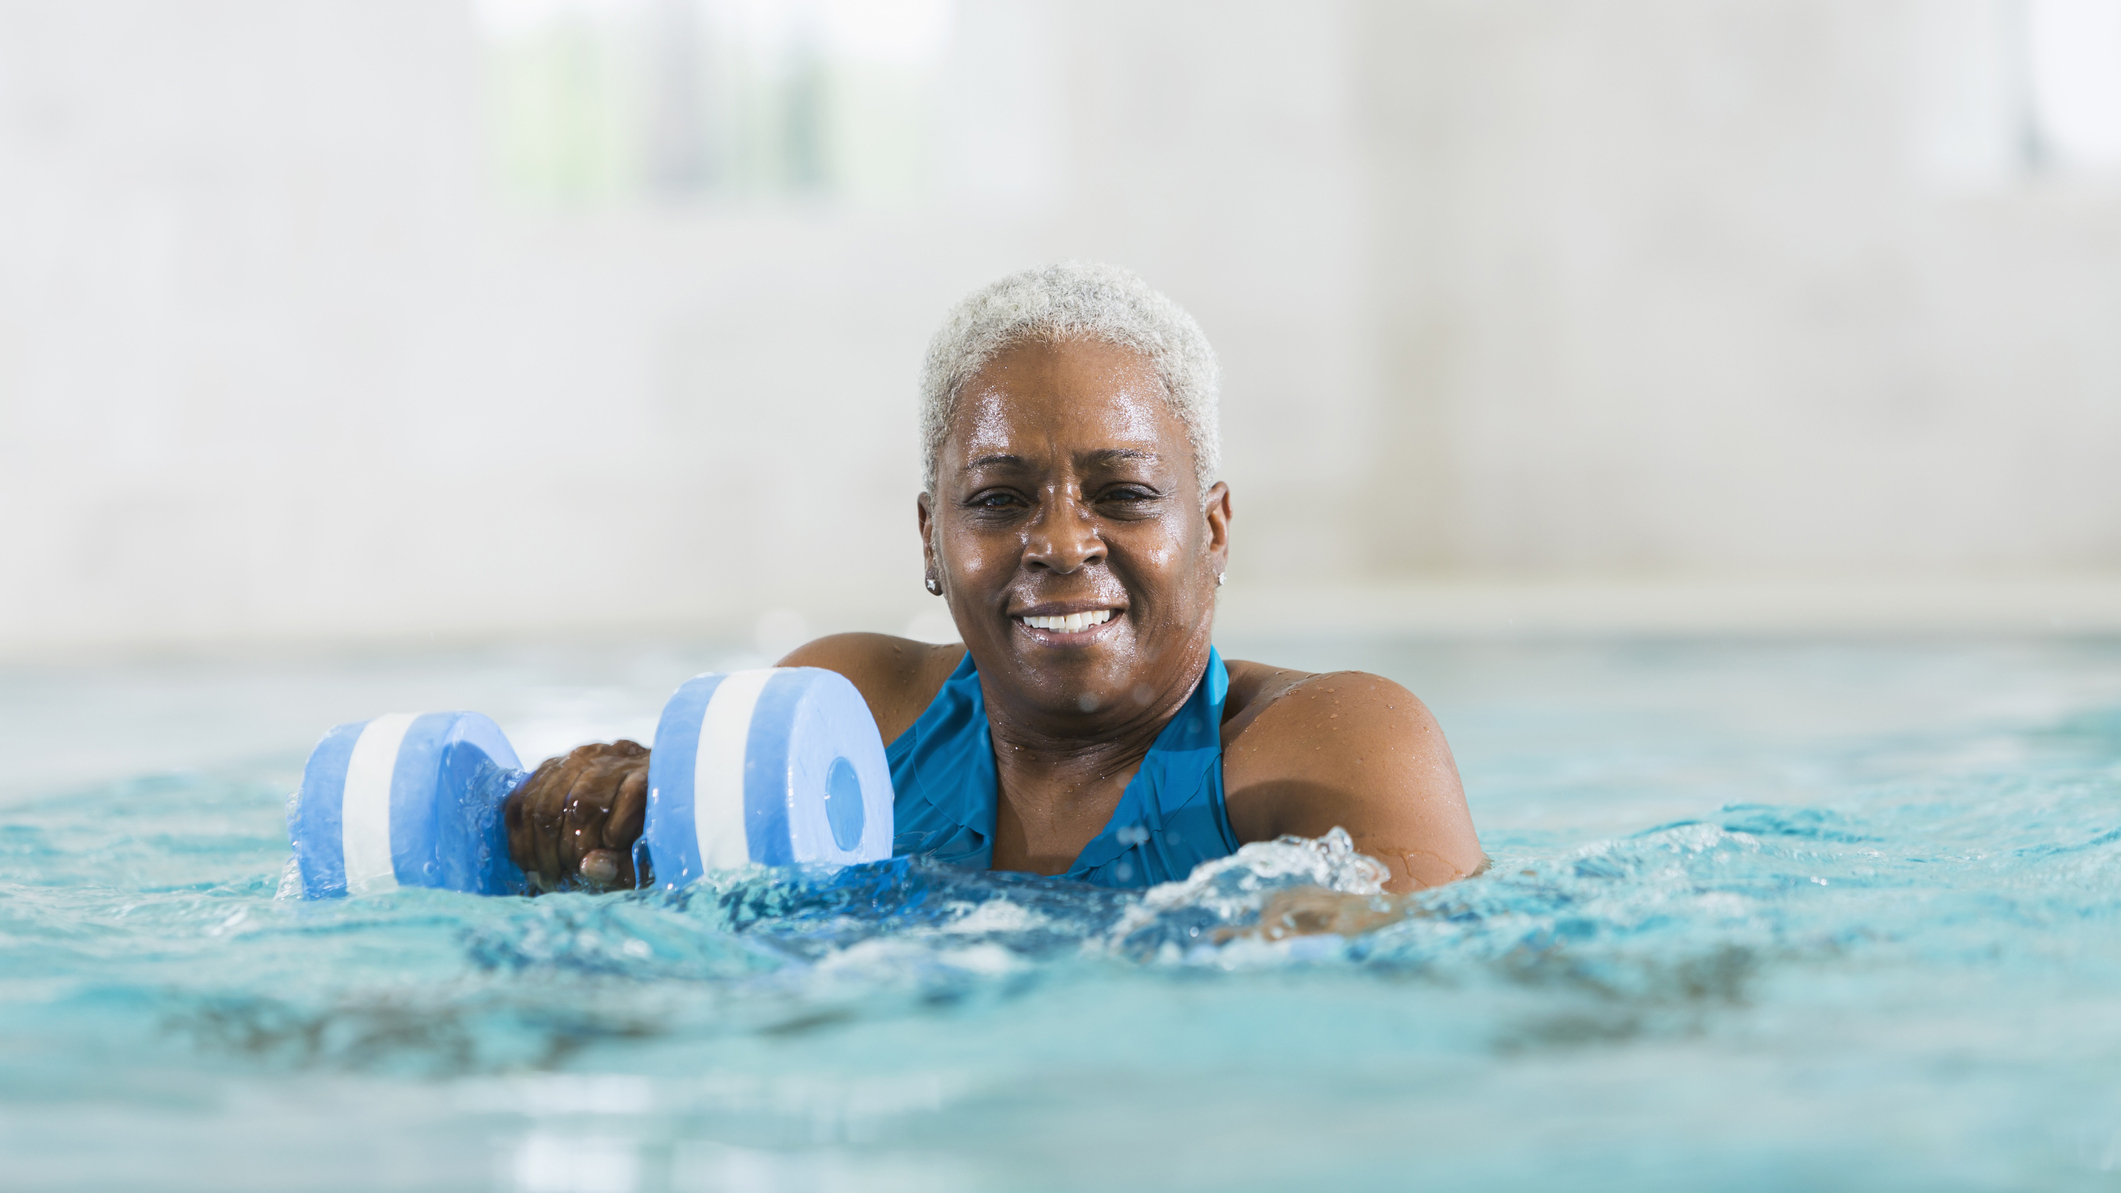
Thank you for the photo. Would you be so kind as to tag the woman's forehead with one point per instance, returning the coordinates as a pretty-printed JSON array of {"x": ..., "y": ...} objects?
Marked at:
[{"x": 1076, "y": 396}]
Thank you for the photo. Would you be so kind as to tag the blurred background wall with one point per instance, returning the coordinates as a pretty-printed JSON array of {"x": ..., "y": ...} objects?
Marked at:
[{"x": 373, "y": 320}]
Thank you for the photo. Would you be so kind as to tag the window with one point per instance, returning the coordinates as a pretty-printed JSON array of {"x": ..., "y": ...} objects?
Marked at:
[
  {"x": 2074, "y": 84},
  {"x": 592, "y": 102}
]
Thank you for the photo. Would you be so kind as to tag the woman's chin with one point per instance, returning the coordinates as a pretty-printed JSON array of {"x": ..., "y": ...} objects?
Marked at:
[{"x": 1083, "y": 671}]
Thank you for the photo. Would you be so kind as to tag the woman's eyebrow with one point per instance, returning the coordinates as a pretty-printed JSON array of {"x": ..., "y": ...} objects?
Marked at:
[
  {"x": 1113, "y": 455},
  {"x": 1103, "y": 457}
]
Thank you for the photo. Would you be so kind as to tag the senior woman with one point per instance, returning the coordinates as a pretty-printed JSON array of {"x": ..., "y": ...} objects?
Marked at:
[{"x": 1087, "y": 727}]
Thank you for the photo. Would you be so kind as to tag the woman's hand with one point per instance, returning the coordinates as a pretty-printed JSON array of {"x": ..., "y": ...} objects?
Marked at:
[
  {"x": 578, "y": 816},
  {"x": 1316, "y": 911},
  {"x": 1313, "y": 911}
]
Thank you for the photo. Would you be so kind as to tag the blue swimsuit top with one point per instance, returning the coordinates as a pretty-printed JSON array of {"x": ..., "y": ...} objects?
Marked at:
[{"x": 1170, "y": 818}]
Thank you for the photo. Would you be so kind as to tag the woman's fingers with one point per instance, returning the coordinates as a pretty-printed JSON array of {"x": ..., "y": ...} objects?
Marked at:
[
  {"x": 601, "y": 867},
  {"x": 622, "y": 828},
  {"x": 577, "y": 816},
  {"x": 582, "y": 816},
  {"x": 607, "y": 854},
  {"x": 543, "y": 815},
  {"x": 630, "y": 811},
  {"x": 519, "y": 814}
]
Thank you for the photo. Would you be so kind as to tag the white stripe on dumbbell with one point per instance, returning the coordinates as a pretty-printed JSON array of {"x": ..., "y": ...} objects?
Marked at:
[
  {"x": 718, "y": 770},
  {"x": 364, "y": 807}
]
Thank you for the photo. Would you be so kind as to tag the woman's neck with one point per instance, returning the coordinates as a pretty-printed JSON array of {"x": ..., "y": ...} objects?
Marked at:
[{"x": 1048, "y": 760}]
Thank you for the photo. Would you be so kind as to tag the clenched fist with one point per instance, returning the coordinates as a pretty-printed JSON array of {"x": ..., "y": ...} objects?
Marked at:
[{"x": 577, "y": 817}]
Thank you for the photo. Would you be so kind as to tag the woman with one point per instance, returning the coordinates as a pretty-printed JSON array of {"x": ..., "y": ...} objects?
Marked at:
[{"x": 1087, "y": 727}]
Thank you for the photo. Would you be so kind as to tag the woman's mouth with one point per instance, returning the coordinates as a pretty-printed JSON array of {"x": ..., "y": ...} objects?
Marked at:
[{"x": 1068, "y": 623}]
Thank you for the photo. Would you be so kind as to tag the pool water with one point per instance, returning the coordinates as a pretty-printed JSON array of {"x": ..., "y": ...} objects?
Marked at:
[{"x": 1761, "y": 916}]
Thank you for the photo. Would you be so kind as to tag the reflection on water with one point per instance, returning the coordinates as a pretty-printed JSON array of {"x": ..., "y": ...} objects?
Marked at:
[{"x": 1759, "y": 917}]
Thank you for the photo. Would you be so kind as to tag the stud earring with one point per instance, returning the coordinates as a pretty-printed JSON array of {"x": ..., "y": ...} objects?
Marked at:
[
  {"x": 1219, "y": 578},
  {"x": 935, "y": 586}
]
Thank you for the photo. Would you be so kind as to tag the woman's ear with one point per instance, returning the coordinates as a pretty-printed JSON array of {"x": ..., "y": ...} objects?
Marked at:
[
  {"x": 1218, "y": 511},
  {"x": 924, "y": 511}
]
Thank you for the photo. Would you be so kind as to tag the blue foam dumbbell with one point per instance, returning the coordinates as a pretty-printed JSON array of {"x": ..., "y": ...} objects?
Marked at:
[
  {"x": 778, "y": 766},
  {"x": 406, "y": 800}
]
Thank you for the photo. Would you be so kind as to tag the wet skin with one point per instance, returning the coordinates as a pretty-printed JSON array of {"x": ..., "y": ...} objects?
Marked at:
[{"x": 1067, "y": 486}]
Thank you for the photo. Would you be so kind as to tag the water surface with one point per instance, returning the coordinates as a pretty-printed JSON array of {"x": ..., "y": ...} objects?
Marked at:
[{"x": 1834, "y": 915}]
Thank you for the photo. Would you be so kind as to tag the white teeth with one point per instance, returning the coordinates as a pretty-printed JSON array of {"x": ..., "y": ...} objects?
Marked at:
[{"x": 1073, "y": 623}]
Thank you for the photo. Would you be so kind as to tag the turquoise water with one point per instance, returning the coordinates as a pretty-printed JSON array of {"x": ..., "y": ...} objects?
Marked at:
[{"x": 1762, "y": 916}]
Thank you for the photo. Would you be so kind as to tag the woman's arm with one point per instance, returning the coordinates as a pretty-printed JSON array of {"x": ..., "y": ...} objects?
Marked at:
[{"x": 1308, "y": 753}]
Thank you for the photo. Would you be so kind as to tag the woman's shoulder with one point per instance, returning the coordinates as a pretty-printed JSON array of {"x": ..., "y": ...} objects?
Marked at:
[
  {"x": 1304, "y": 753},
  {"x": 1293, "y": 696},
  {"x": 1279, "y": 722},
  {"x": 898, "y": 677}
]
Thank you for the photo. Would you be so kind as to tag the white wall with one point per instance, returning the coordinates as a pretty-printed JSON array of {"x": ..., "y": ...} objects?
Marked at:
[
  {"x": 1535, "y": 286},
  {"x": 1758, "y": 287}
]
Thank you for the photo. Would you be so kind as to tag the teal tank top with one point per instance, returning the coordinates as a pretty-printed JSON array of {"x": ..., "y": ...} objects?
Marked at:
[{"x": 1170, "y": 818}]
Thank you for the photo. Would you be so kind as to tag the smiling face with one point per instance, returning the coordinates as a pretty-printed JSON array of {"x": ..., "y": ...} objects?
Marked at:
[{"x": 1071, "y": 536}]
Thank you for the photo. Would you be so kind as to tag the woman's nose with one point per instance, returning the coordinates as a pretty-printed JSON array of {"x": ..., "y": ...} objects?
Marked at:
[{"x": 1063, "y": 537}]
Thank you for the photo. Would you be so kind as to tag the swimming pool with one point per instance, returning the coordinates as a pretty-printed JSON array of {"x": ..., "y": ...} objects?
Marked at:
[{"x": 1762, "y": 916}]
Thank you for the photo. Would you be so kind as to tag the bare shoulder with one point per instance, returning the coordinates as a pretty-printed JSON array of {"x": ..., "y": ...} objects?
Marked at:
[
  {"x": 1304, "y": 753},
  {"x": 1277, "y": 717},
  {"x": 896, "y": 676}
]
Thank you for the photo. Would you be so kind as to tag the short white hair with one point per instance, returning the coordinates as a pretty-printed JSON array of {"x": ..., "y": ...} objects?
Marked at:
[{"x": 1075, "y": 299}]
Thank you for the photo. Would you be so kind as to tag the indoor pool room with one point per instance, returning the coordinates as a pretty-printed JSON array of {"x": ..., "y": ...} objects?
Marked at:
[{"x": 840, "y": 596}]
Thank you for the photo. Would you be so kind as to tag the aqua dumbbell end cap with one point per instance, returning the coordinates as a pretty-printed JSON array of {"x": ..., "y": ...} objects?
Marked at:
[
  {"x": 408, "y": 799},
  {"x": 779, "y": 766}
]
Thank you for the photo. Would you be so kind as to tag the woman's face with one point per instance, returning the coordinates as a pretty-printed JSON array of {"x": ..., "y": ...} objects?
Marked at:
[{"x": 1071, "y": 536}]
